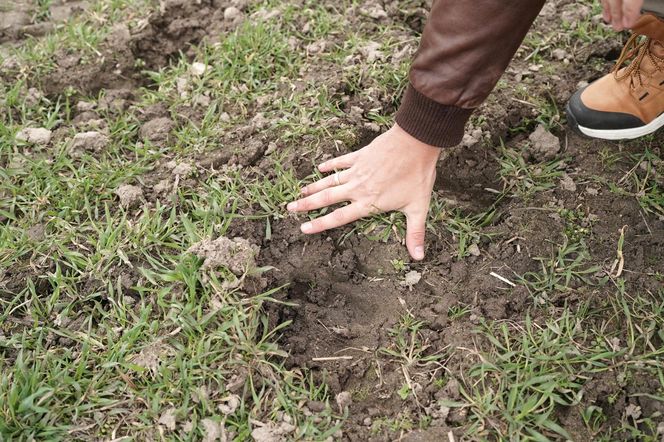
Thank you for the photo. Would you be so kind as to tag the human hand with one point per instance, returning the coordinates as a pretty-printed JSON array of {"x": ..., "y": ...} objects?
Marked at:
[
  {"x": 394, "y": 172},
  {"x": 622, "y": 14}
]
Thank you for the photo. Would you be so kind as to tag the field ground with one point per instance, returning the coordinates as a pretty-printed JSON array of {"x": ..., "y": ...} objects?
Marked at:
[{"x": 153, "y": 286}]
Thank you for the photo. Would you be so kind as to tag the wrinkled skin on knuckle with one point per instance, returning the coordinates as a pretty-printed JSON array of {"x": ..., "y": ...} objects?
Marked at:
[{"x": 418, "y": 236}]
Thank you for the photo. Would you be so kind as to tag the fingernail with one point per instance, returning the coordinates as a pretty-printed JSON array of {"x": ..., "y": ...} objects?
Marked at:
[
  {"x": 321, "y": 165},
  {"x": 292, "y": 206},
  {"x": 419, "y": 253},
  {"x": 306, "y": 227}
]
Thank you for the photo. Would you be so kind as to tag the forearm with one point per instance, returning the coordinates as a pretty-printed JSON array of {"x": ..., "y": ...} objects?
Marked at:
[{"x": 465, "y": 48}]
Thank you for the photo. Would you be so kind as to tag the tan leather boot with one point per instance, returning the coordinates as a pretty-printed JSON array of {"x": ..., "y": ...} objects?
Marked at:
[{"x": 629, "y": 102}]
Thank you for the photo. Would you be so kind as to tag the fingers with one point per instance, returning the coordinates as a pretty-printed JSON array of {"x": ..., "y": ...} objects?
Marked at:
[
  {"x": 338, "y": 218},
  {"x": 416, "y": 224},
  {"x": 616, "y": 14},
  {"x": 631, "y": 12},
  {"x": 342, "y": 162},
  {"x": 606, "y": 11},
  {"x": 324, "y": 198},
  {"x": 330, "y": 181}
]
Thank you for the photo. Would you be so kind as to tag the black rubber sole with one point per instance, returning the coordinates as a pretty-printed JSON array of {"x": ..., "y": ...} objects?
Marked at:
[{"x": 572, "y": 123}]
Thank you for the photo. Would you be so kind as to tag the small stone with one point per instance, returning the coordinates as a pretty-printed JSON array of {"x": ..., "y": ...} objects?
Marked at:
[
  {"x": 367, "y": 421},
  {"x": 34, "y": 135},
  {"x": 559, "y": 54},
  {"x": 198, "y": 69},
  {"x": 271, "y": 147},
  {"x": 474, "y": 250}
]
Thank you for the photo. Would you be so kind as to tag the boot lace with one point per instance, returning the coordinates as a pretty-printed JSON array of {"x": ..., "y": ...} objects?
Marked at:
[{"x": 638, "y": 50}]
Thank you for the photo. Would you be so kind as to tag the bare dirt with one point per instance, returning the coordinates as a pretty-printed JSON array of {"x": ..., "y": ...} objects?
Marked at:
[{"x": 346, "y": 293}]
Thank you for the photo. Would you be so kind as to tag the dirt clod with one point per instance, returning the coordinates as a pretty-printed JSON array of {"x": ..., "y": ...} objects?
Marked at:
[
  {"x": 33, "y": 97},
  {"x": 156, "y": 131},
  {"x": 34, "y": 135},
  {"x": 231, "y": 13},
  {"x": 237, "y": 255},
  {"x": 85, "y": 106},
  {"x": 183, "y": 169},
  {"x": 544, "y": 145},
  {"x": 213, "y": 431},
  {"x": 36, "y": 232},
  {"x": 567, "y": 183},
  {"x": 229, "y": 404},
  {"x": 167, "y": 418},
  {"x": 150, "y": 356},
  {"x": 411, "y": 278},
  {"x": 87, "y": 142},
  {"x": 344, "y": 399},
  {"x": 129, "y": 195},
  {"x": 271, "y": 432}
]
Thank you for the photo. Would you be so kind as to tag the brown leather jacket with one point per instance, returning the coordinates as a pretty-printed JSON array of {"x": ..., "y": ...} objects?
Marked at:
[{"x": 465, "y": 48}]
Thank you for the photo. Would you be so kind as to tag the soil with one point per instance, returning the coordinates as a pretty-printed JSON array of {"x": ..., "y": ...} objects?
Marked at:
[{"x": 344, "y": 295}]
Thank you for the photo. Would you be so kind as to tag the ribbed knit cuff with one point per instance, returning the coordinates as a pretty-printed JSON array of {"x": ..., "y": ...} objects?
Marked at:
[{"x": 432, "y": 123}]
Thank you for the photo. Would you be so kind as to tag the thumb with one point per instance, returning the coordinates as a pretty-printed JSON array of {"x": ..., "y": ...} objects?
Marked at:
[{"x": 415, "y": 231}]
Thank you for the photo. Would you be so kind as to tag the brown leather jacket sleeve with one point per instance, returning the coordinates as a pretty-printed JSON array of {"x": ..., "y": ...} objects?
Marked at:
[{"x": 465, "y": 48}]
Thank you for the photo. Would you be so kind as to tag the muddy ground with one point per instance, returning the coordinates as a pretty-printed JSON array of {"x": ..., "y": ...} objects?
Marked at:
[{"x": 347, "y": 293}]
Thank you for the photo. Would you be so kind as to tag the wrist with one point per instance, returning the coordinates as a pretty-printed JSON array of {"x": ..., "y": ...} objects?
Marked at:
[{"x": 415, "y": 146}]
